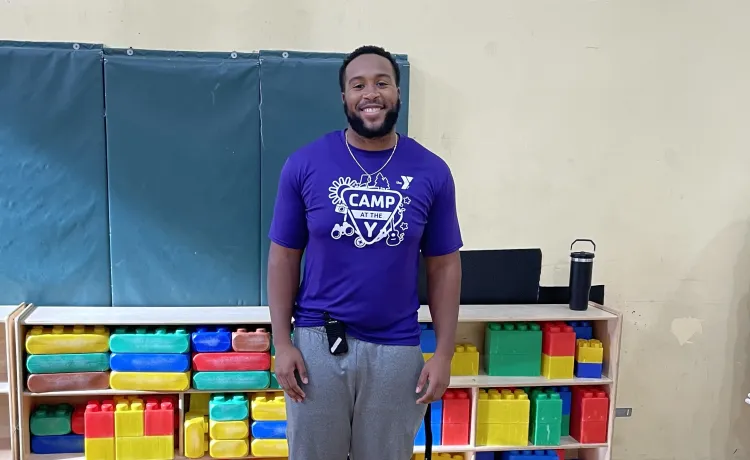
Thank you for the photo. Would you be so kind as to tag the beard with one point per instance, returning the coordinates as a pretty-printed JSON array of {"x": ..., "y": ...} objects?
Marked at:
[{"x": 358, "y": 125}]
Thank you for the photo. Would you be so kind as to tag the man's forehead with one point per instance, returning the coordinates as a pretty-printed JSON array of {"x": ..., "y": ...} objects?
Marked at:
[{"x": 369, "y": 65}]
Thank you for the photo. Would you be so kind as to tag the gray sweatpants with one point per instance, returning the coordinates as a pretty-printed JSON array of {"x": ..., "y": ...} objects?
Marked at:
[{"x": 362, "y": 403}]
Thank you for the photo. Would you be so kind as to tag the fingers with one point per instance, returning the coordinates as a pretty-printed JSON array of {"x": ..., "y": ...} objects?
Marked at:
[
  {"x": 302, "y": 371},
  {"x": 288, "y": 381},
  {"x": 422, "y": 379}
]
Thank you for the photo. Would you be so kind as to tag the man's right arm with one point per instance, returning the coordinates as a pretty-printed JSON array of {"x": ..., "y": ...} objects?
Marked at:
[{"x": 283, "y": 283}]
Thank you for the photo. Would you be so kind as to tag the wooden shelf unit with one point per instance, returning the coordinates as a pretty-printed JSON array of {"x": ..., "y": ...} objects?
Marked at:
[
  {"x": 8, "y": 395},
  {"x": 606, "y": 322}
]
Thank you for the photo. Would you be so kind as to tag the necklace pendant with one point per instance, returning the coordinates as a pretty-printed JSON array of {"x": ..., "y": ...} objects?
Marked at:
[{"x": 365, "y": 179}]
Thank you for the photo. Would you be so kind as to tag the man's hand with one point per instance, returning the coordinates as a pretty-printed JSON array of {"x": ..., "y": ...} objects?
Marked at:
[
  {"x": 437, "y": 370},
  {"x": 289, "y": 359}
]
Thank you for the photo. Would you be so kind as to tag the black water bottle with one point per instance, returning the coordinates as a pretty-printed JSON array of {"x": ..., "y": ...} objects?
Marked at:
[{"x": 581, "y": 270}]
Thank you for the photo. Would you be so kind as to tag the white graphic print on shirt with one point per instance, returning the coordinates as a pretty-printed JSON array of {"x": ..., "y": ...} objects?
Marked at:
[{"x": 372, "y": 211}]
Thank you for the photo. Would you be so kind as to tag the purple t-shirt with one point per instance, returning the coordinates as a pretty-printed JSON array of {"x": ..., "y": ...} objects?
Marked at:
[{"x": 362, "y": 239}]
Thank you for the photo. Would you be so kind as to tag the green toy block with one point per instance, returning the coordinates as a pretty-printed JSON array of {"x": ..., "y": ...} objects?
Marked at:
[
  {"x": 565, "y": 426},
  {"x": 149, "y": 340},
  {"x": 513, "y": 365},
  {"x": 546, "y": 418},
  {"x": 228, "y": 407},
  {"x": 274, "y": 383},
  {"x": 513, "y": 339},
  {"x": 51, "y": 420},
  {"x": 231, "y": 380},
  {"x": 67, "y": 363}
]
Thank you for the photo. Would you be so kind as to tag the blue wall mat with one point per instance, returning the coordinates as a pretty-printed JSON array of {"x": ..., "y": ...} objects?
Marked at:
[
  {"x": 183, "y": 148},
  {"x": 54, "y": 243},
  {"x": 301, "y": 101}
]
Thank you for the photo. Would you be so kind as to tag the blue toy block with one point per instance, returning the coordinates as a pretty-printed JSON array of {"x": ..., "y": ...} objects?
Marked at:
[
  {"x": 485, "y": 456},
  {"x": 58, "y": 444},
  {"x": 529, "y": 455},
  {"x": 269, "y": 429},
  {"x": 427, "y": 339},
  {"x": 588, "y": 370},
  {"x": 566, "y": 397},
  {"x": 436, "y": 414},
  {"x": 582, "y": 329},
  {"x": 211, "y": 340},
  {"x": 149, "y": 362}
]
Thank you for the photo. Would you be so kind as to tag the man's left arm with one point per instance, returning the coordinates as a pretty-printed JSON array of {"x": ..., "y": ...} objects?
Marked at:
[{"x": 441, "y": 242}]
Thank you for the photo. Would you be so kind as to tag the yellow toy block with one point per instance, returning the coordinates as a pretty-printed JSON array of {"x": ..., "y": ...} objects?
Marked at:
[
  {"x": 270, "y": 448},
  {"x": 199, "y": 403},
  {"x": 149, "y": 381},
  {"x": 503, "y": 406},
  {"x": 228, "y": 430},
  {"x": 268, "y": 406},
  {"x": 273, "y": 363},
  {"x": 145, "y": 448},
  {"x": 589, "y": 351},
  {"x": 225, "y": 448},
  {"x": 465, "y": 360},
  {"x": 502, "y": 434},
  {"x": 195, "y": 438},
  {"x": 42, "y": 340},
  {"x": 557, "y": 367},
  {"x": 128, "y": 417},
  {"x": 427, "y": 356},
  {"x": 99, "y": 448}
]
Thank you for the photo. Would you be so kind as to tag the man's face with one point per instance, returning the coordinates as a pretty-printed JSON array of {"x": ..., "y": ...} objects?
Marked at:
[{"x": 371, "y": 97}]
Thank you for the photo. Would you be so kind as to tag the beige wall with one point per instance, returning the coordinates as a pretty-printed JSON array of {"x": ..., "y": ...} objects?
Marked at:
[{"x": 611, "y": 119}]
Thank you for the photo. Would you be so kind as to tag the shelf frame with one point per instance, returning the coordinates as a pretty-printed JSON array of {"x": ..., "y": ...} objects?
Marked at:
[{"x": 606, "y": 321}]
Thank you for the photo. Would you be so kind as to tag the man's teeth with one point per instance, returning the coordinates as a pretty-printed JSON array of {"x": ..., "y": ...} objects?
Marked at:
[{"x": 372, "y": 109}]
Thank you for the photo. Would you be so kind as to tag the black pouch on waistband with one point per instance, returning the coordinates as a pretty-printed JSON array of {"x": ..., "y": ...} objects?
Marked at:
[{"x": 336, "y": 332}]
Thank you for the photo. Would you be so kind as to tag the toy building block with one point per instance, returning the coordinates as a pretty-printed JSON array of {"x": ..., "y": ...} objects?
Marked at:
[
  {"x": 129, "y": 418},
  {"x": 211, "y": 340},
  {"x": 456, "y": 417},
  {"x": 259, "y": 340},
  {"x": 232, "y": 361},
  {"x": 589, "y": 361},
  {"x": 589, "y": 415},
  {"x": 436, "y": 418},
  {"x": 70, "y": 443},
  {"x": 232, "y": 380},
  {"x": 195, "y": 435},
  {"x": 269, "y": 448},
  {"x": 71, "y": 362},
  {"x": 150, "y": 362},
  {"x": 99, "y": 422},
  {"x": 275, "y": 429},
  {"x": 502, "y": 418},
  {"x": 228, "y": 430},
  {"x": 558, "y": 339},
  {"x": 465, "y": 360},
  {"x": 528, "y": 455},
  {"x": 149, "y": 340},
  {"x": 268, "y": 406},
  {"x": 566, "y": 396},
  {"x": 427, "y": 338},
  {"x": 558, "y": 367},
  {"x": 546, "y": 418},
  {"x": 159, "y": 417},
  {"x": 51, "y": 420},
  {"x": 149, "y": 381},
  {"x": 78, "y": 419},
  {"x": 582, "y": 329},
  {"x": 513, "y": 349},
  {"x": 228, "y": 407},
  {"x": 72, "y": 381},
  {"x": 45, "y": 340}
]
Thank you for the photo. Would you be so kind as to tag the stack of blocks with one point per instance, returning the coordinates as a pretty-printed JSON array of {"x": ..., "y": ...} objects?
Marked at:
[
  {"x": 269, "y": 425},
  {"x": 57, "y": 429},
  {"x": 513, "y": 349},
  {"x": 229, "y": 426},
  {"x": 231, "y": 361},
  {"x": 146, "y": 359},
  {"x": 566, "y": 397},
  {"x": 589, "y": 359},
  {"x": 503, "y": 418},
  {"x": 546, "y": 417},
  {"x": 70, "y": 358},
  {"x": 427, "y": 340},
  {"x": 558, "y": 351},
  {"x": 436, "y": 418},
  {"x": 456, "y": 417},
  {"x": 128, "y": 429},
  {"x": 589, "y": 415}
]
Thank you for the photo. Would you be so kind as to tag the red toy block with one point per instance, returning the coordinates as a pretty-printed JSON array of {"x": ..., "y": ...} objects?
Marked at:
[
  {"x": 99, "y": 419},
  {"x": 589, "y": 415},
  {"x": 260, "y": 340},
  {"x": 560, "y": 454},
  {"x": 558, "y": 339},
  {"x": 455, "y": 434},
  {"x": 456, "y": 407},
  {"x": 232, "y": 361},
  {"x": 158, "y": 418},
  {"x": 78, "y": 420}
]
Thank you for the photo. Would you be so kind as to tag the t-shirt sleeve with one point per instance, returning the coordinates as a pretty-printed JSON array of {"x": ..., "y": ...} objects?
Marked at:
[
  {"x": 442, "y": 233},
  {"x": 289, "y": 223}
]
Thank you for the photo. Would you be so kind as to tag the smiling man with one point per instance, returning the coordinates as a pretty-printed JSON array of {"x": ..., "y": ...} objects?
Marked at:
[{"x": 362, "y": 202}]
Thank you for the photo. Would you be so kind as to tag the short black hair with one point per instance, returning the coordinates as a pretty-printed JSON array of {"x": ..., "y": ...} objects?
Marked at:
[{"x": 368, "y": 49}]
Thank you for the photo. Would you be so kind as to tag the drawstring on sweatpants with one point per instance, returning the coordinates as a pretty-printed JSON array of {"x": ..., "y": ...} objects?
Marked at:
[{"x": 428, "y": 433}]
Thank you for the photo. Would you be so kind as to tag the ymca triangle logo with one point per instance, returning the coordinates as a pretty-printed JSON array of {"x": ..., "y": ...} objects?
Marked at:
[{"x": 371, "y": 210}]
